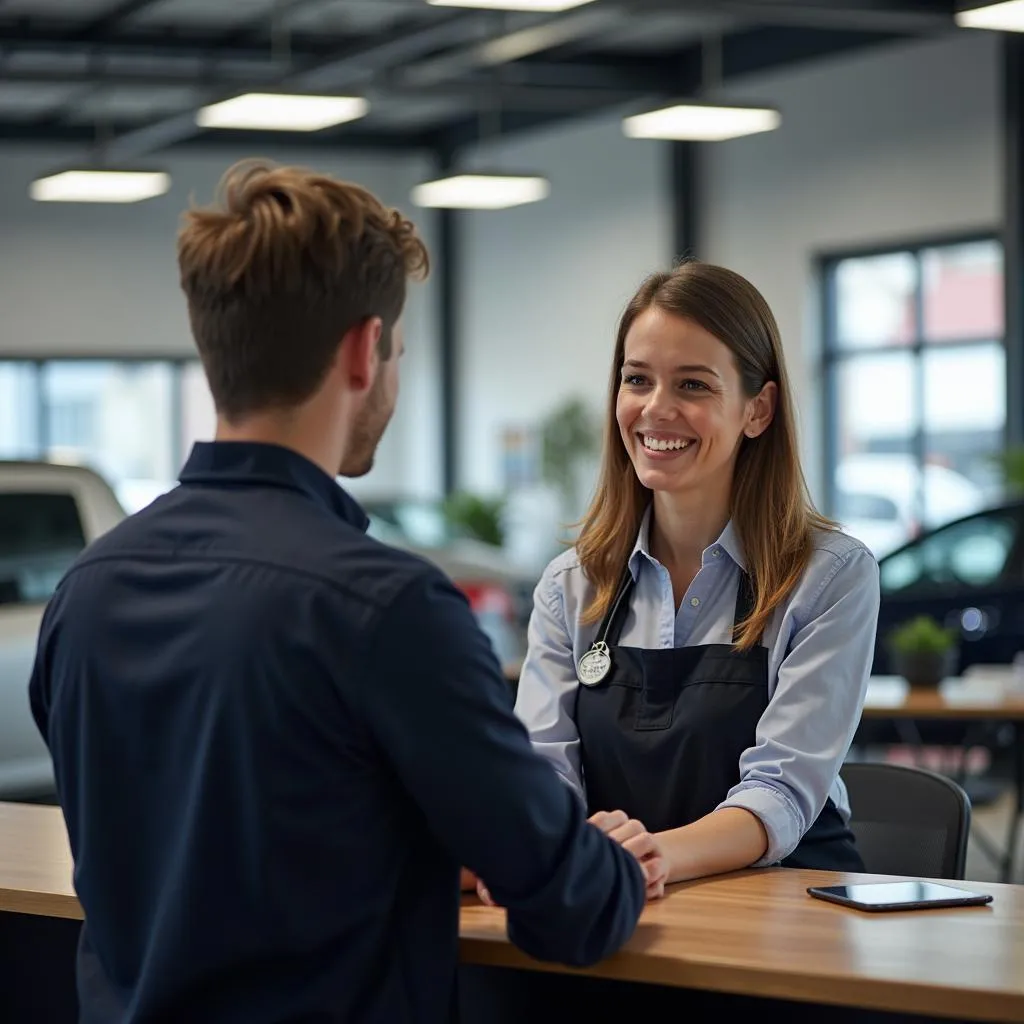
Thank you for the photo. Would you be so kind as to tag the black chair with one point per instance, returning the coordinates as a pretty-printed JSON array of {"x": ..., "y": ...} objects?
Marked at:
[{"x": 908, "y": 821}]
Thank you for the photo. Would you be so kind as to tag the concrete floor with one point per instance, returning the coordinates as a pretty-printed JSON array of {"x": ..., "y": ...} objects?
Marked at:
[{"x": 993, "y": 821}]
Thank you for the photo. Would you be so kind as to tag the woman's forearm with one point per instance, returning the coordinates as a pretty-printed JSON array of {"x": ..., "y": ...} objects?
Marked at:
[{"x": 724, "y": 840}]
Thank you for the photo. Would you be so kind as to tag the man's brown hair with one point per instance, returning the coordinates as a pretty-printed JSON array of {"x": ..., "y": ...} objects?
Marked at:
[{"x": 279, "y": 270}]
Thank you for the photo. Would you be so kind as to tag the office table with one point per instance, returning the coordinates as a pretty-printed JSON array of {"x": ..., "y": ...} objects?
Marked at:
[{"x": 751, "y": 934}]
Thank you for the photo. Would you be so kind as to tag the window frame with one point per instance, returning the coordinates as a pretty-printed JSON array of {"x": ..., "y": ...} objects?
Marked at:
[
  {"x": 176, "y": 364},
  {"x": 833, "y": 356}
]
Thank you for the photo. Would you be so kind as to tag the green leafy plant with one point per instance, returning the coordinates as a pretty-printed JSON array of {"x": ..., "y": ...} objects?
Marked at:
[
  {"x": 476, "y": 516},
  {"x": 922, "y": 635},
  {"x": 1011, "y": 465},
  {"x": 570, "y": 437}
]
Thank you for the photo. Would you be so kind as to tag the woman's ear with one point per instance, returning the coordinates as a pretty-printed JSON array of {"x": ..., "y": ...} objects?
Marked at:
[{"x": 761, "y": 410}]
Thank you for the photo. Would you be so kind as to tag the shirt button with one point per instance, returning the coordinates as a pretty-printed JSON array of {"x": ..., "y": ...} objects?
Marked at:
[
  {"x": 717, "y": 553},
  {"x": 695, "y": 601}
]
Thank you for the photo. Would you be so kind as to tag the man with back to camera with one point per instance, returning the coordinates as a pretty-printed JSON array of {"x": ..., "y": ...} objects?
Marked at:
[{"x": 276, "y": 740}]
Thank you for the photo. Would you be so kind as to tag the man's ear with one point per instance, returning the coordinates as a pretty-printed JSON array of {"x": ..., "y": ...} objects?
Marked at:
[{"x": 359, "y": 355}]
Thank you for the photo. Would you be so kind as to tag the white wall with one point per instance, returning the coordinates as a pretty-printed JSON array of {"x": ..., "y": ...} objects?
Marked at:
[
  {"x": 543, "y": 285},
  {"x": 102, "y": 280},
  {"x": 895, "y": 144}
]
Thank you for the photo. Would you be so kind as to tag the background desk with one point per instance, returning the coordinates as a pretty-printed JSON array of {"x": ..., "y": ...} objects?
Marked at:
[
  {"x": 754, "y": 934},
  {"x": 982, "y": 704}
]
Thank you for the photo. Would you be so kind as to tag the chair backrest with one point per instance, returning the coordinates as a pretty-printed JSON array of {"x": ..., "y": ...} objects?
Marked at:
[{"x": 908, "y": 821}]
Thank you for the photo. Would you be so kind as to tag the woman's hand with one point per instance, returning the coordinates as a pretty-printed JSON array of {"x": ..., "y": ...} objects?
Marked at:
[
  {"x": 631, "y": 835},
  {"x": 645, "y": 847}
]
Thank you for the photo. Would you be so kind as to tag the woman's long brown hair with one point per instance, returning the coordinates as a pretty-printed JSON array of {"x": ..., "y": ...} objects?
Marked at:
[{"x": 771, "y": 509}]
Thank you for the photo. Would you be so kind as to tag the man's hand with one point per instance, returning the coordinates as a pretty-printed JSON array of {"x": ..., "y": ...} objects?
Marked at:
[
  {"x": 484, "y": 894},
  {"x": 634, "y": 837}
]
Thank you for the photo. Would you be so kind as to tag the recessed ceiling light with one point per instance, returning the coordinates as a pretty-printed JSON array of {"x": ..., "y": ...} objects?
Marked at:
[
  {"x": 1002, "y": 17},
  {"x": 513, "y": 5},
  {"x": 283, "y": 112},
  {"x": 95, "y": 185},
  {"x": 475, "y": 191},
  {"x": 701, "y": 122}
]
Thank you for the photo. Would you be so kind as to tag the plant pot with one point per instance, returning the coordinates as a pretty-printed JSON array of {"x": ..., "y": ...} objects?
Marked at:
[{"x": 925, "y": 669}]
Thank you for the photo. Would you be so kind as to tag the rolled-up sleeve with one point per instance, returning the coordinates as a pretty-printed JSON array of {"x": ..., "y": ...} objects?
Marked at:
[
  {"x": 806, "y": 730},
  {"x": 547, "y": 684}
]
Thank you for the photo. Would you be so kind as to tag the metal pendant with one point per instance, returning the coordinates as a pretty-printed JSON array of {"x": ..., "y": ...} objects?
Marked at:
[{"x": 595, "y": 664}]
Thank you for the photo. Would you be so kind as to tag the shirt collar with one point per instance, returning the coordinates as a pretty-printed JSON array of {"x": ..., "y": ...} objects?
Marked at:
[
  {"x": 249, "y": 463},
  {"x": 728, "y": 541}
]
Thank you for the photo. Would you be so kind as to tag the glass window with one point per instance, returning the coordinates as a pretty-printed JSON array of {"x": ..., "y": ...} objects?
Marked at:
[
  {"x": 40, "y": 536},
  {"x": 963, "y": 291},
  {"x": 198, "y": 417},
  {"x": 875, "y": 300},
  {"x": 116, "y": 417},
  {"x": 972, "y": 553},
  {"x": 964, "y": 416},
  {"x": 19, "y": 410},
  {"x": 916, "y": 366}
]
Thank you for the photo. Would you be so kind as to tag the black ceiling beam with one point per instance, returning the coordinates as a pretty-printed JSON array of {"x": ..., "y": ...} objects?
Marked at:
[
  {"x": 345, "y": 137},
  {"x": 111, "y": 19},
  {"x": 261, "y": 25},
  {"x": 607, "y": 71},
  {"x": 852, "y": 15},
  {"x": 514, "y": 96},
  {"x": 764, "y": 49},
  {"x": 159, "y": 43},
  {"x": 352, "y": 68},
  {"x": 531, "y": 80},
  {"x": 743, "y": 53},
  {"x": 544, "y": 33},
  {"x": 452, "y": 139}
]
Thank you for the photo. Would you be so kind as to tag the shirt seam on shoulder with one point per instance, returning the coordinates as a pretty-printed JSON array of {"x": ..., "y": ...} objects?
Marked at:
[
  {"x": 283, "y": 567},
  {"x": 838, "y": 561}
]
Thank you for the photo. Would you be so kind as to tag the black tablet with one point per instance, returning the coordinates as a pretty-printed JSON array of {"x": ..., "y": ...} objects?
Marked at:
[{"x": 899, "y": 895}]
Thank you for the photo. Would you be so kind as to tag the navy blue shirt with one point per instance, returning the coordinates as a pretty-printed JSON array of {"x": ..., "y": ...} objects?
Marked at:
[{"x": 275, "y": 742}]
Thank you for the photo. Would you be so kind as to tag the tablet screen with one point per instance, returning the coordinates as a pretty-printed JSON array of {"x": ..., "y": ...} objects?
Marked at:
[{"x": 889, "y": 893}]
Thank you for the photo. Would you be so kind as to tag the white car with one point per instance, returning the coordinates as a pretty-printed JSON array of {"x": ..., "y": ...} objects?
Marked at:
[
  {"x": 876, "y": 498},
  {"x": 48, "y": 513}
]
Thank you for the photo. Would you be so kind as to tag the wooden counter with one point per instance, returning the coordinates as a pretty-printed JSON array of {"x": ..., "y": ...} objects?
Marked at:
[
  {"x": 758, "y": 933},
  {"x": 35, "y": 862},
  {"x": 753, "y": 933}
]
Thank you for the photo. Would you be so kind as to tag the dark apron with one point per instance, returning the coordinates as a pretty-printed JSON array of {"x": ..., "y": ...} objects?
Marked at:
[{"x": 661, "y": 734}]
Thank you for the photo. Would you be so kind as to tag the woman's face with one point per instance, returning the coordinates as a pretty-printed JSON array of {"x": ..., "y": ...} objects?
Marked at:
[{"x": 681, "y": 408}]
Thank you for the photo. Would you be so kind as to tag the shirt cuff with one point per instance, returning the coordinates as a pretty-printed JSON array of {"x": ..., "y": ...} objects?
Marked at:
[{"x": 781, "y": 820}]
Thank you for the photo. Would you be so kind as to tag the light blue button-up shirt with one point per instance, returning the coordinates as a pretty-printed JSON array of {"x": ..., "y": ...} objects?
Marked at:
[{"x": 820, "y": 647}]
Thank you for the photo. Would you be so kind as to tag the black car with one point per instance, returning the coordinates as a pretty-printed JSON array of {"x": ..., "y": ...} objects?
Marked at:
[{"x": 967, "y": 574}]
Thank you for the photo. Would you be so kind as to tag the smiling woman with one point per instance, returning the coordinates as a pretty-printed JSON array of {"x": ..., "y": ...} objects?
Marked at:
[{"x": 700, "y": 659}]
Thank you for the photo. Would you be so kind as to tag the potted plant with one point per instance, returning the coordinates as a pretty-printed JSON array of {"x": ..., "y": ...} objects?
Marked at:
[
  {"x": 476, "y": 516},
  {"x": 923, "y": 652}
]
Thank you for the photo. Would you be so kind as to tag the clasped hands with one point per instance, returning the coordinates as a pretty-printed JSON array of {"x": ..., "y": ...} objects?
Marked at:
[{"x": 632, "y": 836}]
